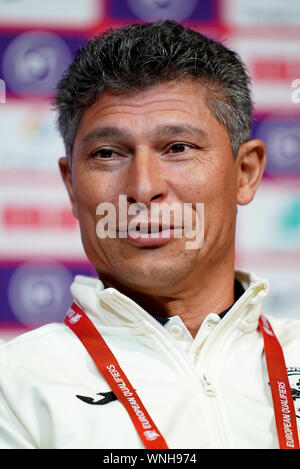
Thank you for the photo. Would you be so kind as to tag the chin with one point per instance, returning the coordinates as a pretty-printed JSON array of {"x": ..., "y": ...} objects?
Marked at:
[
  {"x": 152, "y": 277},
  {"x": 144, "y": 269}
]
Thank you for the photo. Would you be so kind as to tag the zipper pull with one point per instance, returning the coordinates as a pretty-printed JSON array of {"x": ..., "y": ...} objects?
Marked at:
[{"x": 207, "y": 387}]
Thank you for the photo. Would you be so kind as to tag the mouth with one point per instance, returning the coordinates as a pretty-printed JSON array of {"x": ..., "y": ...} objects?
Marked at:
[{"x": 150, "y": 234}]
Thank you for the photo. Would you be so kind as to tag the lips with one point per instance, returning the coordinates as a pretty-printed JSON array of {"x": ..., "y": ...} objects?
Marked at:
[{"x": 150, "y": 234}]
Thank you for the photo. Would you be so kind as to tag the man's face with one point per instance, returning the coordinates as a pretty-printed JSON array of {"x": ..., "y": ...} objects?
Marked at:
[{"x": 162, "y": 145}]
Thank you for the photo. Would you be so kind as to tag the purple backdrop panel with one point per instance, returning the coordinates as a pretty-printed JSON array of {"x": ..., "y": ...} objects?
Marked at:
[
  {"x": 191, "y": 10},
  {"x": 281, "y": 136},
  {"x": 31, "y": 62},
  {"x": 36, "y": 293}
]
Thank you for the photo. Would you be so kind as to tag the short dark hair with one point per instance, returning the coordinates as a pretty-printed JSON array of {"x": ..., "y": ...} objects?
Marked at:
[{"x": 137, "y": 56}]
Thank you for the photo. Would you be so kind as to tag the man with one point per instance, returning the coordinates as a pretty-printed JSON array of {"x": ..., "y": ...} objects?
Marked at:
[{"x": 156, "y": 115}]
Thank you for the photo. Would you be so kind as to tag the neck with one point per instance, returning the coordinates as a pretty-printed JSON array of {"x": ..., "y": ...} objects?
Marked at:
[{"x": 192, "y": 301}]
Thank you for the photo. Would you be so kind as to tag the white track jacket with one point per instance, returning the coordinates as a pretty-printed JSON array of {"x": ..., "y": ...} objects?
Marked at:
[{"x": 207, "y": 392}]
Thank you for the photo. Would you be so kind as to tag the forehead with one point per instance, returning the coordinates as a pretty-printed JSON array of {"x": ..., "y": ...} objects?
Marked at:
[
  {"x": 144, "y": 111},
  {"x": 183, "y": 90}
]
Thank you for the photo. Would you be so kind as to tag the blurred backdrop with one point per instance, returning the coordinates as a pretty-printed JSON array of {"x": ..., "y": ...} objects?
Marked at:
[{"x": 40, "y": 247}]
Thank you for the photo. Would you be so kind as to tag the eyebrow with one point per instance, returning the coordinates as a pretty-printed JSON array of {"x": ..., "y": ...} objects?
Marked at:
[
  {"x": 171, "y": 130},
  {"x": 160, "y": 131}
]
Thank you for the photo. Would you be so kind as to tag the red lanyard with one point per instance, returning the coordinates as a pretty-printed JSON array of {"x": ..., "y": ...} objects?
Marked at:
[
  {"x": 284, "y": 409},
  {"x": 115, "y": 377}
]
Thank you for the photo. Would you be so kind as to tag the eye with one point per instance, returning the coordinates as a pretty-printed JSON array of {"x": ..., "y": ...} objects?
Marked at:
[
  {"x": 103, "y": 153},
  {"x": 178, "y": 147}
]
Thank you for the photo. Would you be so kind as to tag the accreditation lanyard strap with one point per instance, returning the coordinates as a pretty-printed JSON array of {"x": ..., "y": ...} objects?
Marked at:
[
  {"x": 151, "y": 437},
  {"x": 115, "y": 377},
  {"x": 284, "y": 409}
]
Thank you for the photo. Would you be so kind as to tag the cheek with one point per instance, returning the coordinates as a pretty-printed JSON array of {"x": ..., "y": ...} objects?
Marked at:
[
  {"x": 221, "y": 210},
  {"x": 215, "y": 188},
  {"x": 207, "y": 185},
  {"x": 221, "y": 196},
  {"x": 90, "y": 190}
]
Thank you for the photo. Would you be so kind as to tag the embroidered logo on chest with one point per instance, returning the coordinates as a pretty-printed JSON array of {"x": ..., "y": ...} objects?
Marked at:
[{"x": 106, "y": 398}]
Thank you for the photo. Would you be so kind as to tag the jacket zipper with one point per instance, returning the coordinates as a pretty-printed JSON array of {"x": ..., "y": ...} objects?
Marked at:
[
  {"x": 213, "y": 400},
  {"x": 208, "y": 388},
  {"x": 213, "y": 406}
]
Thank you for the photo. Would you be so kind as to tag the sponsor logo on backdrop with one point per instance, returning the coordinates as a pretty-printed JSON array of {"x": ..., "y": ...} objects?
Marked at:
[
  {"x": 271, "y": 222},
  {"x": 282, "y": 139},
  {"x": 276, "y": 69},
  {"x": 29, "y": 140},
  {"x": 34, "y": 61},
  {"x": 36, "y": 219},
  {"x": 255, "y": 13},
  {"x": 39, "y": 293},
  {"x": 150, "y": 10},
  {"x": 31, "y": 216},
  {"x": 57, "y": 13},
  {"x": 272, "y": 68},
  {"x": 162, "y": 9}
]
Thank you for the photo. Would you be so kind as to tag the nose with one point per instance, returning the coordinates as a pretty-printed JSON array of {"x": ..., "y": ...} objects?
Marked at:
[{"x": 146, "y": 179}]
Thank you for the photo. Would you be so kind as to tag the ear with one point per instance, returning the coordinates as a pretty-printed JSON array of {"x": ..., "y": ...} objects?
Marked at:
[
  {"x": 250, "y": 165},
  {"x": 66, "y": 175}
]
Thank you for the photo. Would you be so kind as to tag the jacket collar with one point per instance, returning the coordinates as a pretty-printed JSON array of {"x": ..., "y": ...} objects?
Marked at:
[{"x": 109, "y": 307}]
